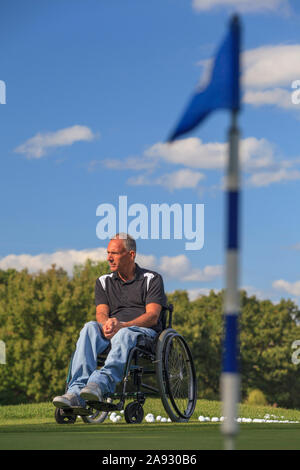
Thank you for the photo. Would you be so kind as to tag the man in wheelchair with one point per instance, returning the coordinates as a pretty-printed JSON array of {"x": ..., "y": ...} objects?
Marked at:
[{"x": 129, "y": 302}]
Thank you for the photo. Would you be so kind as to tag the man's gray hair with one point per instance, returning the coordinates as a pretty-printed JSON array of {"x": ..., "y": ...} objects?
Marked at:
[{"x": 129, "y": 241}]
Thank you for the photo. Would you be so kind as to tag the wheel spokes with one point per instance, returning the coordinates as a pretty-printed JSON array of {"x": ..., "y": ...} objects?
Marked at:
[{"x": 178, "y": 376}]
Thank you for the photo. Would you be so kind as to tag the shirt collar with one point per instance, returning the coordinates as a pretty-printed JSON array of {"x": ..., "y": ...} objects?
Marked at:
[{"x": 137, "y": 275}]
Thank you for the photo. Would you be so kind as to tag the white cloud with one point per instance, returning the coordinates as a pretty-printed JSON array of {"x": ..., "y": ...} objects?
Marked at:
[
  {"x": 146, "y": 261},
  {"x": 295, "y": 247},
  {"x": 63, "y": 258},
  {"x": 278, "y": 176},
  {"x": 245, "y": 6},
  {"x": 277, "y": 97},
  {"x": 176, "y": 267},
  {"x": 256, "y": 153},
  {"x": 195, "y": 293},
  {"x": 184, "y": 178},
  {"x": 193, "y": 153},
  {"x": 292, "y": 288},
  {"x": 130, "y": 163},
  {"x": 271, "y": 66},
  {"x": 258, "y": 157},
  {"x": 250, "y": 290},
  {"x": 179, "y": 267},
  {"x": 259, "y": 294},
  {"x": 39, "y": 145},
  {"x": 268, "y": 74}
]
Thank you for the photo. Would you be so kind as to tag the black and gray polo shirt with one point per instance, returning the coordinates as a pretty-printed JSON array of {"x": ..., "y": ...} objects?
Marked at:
[{"x": 127, "y": 300}]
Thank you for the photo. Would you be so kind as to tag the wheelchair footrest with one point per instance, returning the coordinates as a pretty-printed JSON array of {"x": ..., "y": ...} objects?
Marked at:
[
  {"x": 77, "y": 411},
  {"x": 101, "y": 406}
]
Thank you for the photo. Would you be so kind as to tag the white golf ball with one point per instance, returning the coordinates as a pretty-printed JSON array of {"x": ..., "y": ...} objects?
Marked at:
[
  {"x": 149, "y": 418},
  {"x": 201, "y": 418},
  {"x": 163, "y": 420},
  {"x": 158, "y": 418}
]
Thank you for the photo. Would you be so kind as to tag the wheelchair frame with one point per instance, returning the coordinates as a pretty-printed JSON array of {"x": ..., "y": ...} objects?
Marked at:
[{"x": 157, "y": 351}]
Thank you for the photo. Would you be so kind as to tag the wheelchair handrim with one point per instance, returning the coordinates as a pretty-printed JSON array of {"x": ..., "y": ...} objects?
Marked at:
[{"x": 186, "y": 363}]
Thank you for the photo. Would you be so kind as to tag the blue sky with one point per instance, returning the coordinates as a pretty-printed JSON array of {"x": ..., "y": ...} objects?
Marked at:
[{"x": 94, "y": 88}]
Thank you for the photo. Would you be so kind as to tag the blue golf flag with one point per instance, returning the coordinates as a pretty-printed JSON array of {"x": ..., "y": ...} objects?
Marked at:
[{"x": 223, "y": 90}]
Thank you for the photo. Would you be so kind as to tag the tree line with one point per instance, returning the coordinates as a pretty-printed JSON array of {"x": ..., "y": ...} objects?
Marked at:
[{"x": 41, "y": 315}]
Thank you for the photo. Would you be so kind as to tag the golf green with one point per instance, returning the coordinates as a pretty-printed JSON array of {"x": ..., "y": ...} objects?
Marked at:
[{"x": 170, "y": 436}]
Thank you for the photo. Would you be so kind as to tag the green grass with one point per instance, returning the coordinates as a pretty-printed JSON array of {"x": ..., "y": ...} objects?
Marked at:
[
  {"x": 32, "y": 426},
  {"x": 40, "y": 413}
]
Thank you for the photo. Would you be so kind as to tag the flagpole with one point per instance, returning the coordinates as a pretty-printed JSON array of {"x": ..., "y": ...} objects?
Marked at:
[
  {"x": 223, "y": 92},
  {"x": 230, "y": 378}
]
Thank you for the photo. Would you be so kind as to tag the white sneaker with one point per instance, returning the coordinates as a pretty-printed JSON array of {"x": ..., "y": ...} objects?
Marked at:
[
  {"x": 68, "y": 400},
  {"x": 91, "y": 392}
]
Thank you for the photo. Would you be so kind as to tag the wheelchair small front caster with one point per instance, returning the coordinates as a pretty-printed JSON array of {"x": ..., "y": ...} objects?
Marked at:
[
  {"x": 62, "y": 418},
  {"x": 134, "y": 412}
]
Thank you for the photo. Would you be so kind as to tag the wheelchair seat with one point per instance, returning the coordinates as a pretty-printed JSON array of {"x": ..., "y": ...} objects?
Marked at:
[{"x": 144, "y": 343}]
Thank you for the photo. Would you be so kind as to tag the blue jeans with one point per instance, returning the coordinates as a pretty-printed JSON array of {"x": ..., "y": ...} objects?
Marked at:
[{"x": 90, "y": 343}]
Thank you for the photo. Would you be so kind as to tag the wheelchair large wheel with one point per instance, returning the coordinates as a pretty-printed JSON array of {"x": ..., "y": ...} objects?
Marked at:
[{"x": 176, "y": 376}]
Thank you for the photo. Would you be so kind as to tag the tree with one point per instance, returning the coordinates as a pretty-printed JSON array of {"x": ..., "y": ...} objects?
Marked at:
[
  {"x": 267, "y": 333},
  {"x": 40, "y": 318},
  {"x": 42, "y": 314},
  {"x": 200, "y": 322}
]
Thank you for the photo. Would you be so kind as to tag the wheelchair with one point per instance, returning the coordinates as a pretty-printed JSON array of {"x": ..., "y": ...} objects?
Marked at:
[{"x": 168, "y": 358}]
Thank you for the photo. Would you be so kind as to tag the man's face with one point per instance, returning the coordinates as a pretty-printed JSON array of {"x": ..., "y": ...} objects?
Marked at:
[{"x": 118, "y": 257}]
